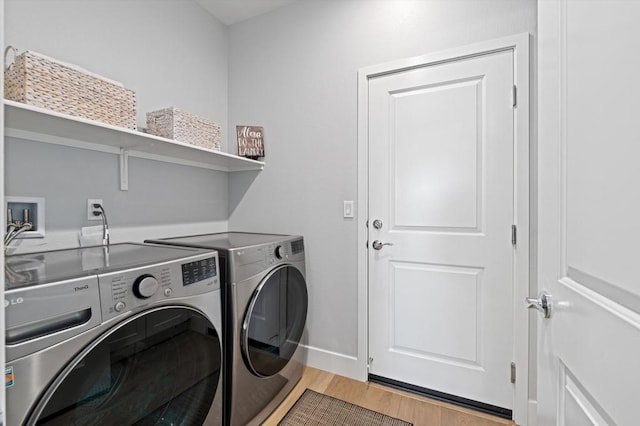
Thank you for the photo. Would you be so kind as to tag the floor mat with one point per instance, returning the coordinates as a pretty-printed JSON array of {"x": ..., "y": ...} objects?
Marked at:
[{"x": 313, "y": 408}]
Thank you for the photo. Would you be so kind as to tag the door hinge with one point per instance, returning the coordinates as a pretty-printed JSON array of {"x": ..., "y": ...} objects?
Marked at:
[
  {"x": 370, "y": 362},
  {"x": 514, "y": 235},
  {"x": 515, "y": 96},
  {"x": 513, "y": 372}
]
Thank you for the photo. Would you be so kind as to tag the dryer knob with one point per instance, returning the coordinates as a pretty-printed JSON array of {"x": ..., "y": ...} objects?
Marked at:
[
  {"x": 145, "y": 286},
  {"x": 280, "y": 252}
]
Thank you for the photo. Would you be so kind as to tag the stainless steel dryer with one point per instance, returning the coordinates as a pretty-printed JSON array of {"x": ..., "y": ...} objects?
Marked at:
[
  {"x": 128, "y": 334},
  {"x": 265, "y": 308}
]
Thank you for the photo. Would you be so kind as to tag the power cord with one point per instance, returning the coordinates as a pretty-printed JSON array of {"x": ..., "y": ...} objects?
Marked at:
[{"x": 105, "y": 223}]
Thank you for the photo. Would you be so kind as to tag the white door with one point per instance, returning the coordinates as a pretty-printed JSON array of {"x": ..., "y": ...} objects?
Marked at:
[
  {"x": 441, "y": 183},
  {"x": 589, "y": 212}
]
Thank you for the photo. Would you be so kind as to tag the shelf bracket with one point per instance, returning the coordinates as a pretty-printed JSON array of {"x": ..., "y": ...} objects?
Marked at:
[{"x": 124, "y": 169}]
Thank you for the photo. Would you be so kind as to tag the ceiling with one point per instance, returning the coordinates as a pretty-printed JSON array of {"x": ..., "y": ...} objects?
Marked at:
[{"x": 232, "y": 11}]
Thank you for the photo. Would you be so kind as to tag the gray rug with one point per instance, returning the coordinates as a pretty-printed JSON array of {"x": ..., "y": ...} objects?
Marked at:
[{"x": 313, "y": 408}]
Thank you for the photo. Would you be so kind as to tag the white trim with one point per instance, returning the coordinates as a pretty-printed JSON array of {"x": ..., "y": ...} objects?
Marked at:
[
  {"x": 78, "y": 132},
  {"x": 550, "y": 152},
  {"x": 116, "y": 150},
  {"x": 168, "y": 159},
  {"x": 362, "y": 218},
  {"x": 533, "y": 413},
  {"x": 335, "y": 362},
  {"x": 520, "y": 44},
  {"x": 522, "y": 129},
  {"x": 38, "y": 137},
  {"x": 564, "y": 113},
  {"x": 3, "y": 219},
  {"x": 603, "y": 302}
]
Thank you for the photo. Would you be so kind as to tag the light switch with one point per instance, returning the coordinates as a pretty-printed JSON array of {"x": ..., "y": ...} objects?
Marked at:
[{"x": 348, "y": 209}]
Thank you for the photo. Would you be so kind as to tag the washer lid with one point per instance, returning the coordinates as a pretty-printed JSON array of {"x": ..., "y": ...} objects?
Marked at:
[
  {"x": 22, "y": 270},
  {"x": 225, "y": 240}
]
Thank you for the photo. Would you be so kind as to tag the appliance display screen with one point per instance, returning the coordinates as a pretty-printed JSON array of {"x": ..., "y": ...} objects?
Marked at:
[{"x": 199, "y": 270}]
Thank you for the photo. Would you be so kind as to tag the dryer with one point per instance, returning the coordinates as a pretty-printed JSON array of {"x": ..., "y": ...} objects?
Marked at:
[
  {"x": 125, "y": 334},
  {"x": 265, "y": 304}
]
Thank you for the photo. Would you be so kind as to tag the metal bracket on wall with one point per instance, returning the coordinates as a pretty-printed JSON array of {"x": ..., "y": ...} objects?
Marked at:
[{"x": 124, "y": 169}]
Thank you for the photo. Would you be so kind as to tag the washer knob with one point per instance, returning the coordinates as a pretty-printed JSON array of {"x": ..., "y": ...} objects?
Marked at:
[
  {"x": 280, "y": 252},
  {"x": 145, "y": 286}
]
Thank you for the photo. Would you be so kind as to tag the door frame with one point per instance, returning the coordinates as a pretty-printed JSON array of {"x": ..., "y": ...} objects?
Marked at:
[
  {"x": 3, "y": 416},
  {"x": 598, "y": 299},
  {"x": 520, "y": 44}
]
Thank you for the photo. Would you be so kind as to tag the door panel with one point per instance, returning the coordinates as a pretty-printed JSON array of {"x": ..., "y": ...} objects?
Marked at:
[
  {"x": 436, "y": 180},
  {"x": 589, "y": 206},
  {"x": 442, "y": 182},
  {"x": 451, "y": 287},
  {"x": 577, "y": 407}
]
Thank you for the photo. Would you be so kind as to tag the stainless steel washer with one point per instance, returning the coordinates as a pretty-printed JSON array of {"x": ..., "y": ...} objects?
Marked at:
[
  {"x": 129, "y": 334},
  {"x": 264, "y": 310}
]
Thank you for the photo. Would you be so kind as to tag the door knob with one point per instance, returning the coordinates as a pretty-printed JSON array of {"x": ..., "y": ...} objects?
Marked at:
[
  {"x": 542, "y": 303},
  {"x": 377, "y": 245},
  {"x": 377, "y": 224}
]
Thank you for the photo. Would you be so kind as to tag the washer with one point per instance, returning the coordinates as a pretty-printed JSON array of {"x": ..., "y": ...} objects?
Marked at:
[
  {"x": 125, "y": 334},
  {"x": 265, "y": 304}
]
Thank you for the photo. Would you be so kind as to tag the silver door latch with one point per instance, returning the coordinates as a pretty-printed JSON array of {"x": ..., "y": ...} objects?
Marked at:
[
  {"x": 377, "y": 245},
  {"x": 542, "y": 303}
]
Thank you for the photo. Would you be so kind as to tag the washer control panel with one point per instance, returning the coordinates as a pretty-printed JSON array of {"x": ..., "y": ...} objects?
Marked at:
[{"x": 133, "y": 289}]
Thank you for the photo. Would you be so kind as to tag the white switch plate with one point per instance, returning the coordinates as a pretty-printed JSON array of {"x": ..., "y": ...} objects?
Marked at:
[{"x": 348, "y": 209}]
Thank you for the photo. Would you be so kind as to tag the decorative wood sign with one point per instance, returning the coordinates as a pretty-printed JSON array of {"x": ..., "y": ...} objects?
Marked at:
[{"x": 250, "y": 141}]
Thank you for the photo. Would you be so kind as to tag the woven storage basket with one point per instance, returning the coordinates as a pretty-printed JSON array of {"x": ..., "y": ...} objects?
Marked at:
[
  {"x": 38, "y": 80},
  {"x": 173, "y": 123}
]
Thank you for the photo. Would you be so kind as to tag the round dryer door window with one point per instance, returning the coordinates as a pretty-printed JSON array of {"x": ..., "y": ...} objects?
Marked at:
[
  {"x": 274, "y": 321},
  {"x": 160, "y": 367}
]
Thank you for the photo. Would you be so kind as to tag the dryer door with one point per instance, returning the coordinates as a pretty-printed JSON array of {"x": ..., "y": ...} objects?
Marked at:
[
  {"x": 274, "y": 321},
  {"x": 158, "y": 367}
]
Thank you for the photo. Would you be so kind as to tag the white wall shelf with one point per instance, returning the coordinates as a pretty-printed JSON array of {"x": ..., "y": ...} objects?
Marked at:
[{"x": 37, "y": 124}]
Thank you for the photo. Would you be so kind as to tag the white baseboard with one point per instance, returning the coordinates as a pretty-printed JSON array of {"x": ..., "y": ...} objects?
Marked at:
[
  {"x": 532, "y": 413},
  {"x": 333, "y": 362}
]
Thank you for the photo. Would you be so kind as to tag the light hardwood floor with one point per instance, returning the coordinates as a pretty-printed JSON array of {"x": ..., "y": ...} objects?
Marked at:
[{"x": 392, "y": 402}]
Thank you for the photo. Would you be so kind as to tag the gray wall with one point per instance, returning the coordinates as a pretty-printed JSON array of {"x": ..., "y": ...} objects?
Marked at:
[
  {"x": 294, "y": 71},
  {"x": 169, "y": 53},
  {"x": 159, "y": 193}
]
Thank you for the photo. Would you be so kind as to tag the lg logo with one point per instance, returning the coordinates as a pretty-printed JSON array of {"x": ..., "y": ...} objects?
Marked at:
[{"x": 16, "y": 301}]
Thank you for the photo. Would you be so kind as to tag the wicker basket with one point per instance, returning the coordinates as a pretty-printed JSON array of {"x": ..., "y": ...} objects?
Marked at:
[
  {"x": 173, "y": 123},
  {"x": 38, "y": 80}
]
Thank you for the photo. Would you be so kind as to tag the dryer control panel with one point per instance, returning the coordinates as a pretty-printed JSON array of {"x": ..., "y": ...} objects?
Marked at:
[
  {"x": 134, "y": 289},
  {"x": 248, "y": 262}
]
